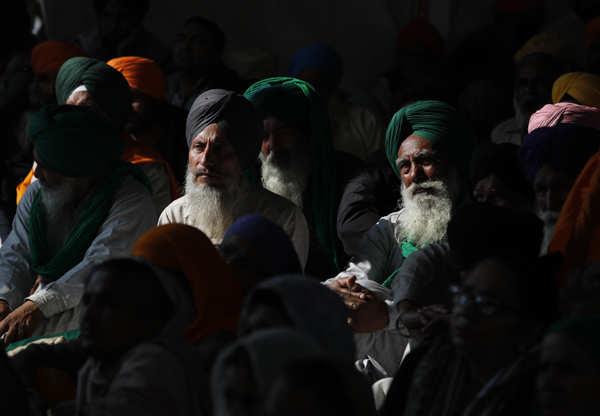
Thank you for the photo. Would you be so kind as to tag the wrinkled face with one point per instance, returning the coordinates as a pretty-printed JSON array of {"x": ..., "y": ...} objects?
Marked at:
[
  {"x": 110, "y": 323},
  {"x": 551, "y": 189},
  {"x": 195, "y": 48},
  {"x": 484, "y": 309},
  {"x": 568, "y": 379},
  {"x": 212, "y": 159},
  {"x": 418, "y": 162},
  {"x": 143, "y": 112},
  {"x": 533, "y": 87},
  {"x": 242, "y": 396},
  {"x": 282, "y": 140}
]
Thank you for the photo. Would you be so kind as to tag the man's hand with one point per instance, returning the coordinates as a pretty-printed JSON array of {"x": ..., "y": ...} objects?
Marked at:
[
  {"x": 4, "y": 309},
  {"x": 351, "y": 292},
  {"x": 370, "y": 315},
  {"x": 21, "y": 322}
]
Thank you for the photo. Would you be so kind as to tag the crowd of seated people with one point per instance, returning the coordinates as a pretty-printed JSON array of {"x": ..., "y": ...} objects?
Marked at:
[{"x": 176, "y": 239}]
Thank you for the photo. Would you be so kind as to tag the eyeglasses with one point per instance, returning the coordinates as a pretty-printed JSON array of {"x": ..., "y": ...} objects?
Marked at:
[{"x": 485, "y": 305}]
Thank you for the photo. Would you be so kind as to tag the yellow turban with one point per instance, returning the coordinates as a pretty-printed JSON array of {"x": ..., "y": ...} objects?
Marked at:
[
  {"x": 582, "y": 86},
  {"x": 548, "y": 43}
]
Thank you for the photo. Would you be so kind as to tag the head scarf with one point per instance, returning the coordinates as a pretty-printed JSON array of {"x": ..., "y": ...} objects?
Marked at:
[
  {"x": 242, "y": 123},
  {"x": 275, "y": 253},
  {"x": 565, "y": 113},
  {"x": 435, "y": 121},
  {"x": 142, "y": 74},
  {"x": 269, "y": 350},
  {"x": 321, "y": 57},
  {"x": 106, "y": 85},
  {"x": 295, "y": 102},
  {"x": 216, "y": 293},
  {"x": 501, "y": 160},
  {"x": 315, "y": 310},
  {"x": 547, "y": 43},
  {"x": 419, "y": 35},
  {"x": 583, "y": 330},
  {"x": 74, "y": 141},
  {"x": 56, "y": 133},
  {"x": 566, "y": 147},
  {"x": 582, "y": 86},
  {"x": 477, "y": 231},
  {"x": 577, "y": 232},
  {"x": 47, "y": 57}
]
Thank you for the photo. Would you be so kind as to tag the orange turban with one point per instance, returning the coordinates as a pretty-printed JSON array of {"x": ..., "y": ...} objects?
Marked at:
[
  {"x": 216, "y": 292},
  {"x": 142, "y": 74},
  {"x": 582, "y": 86},
  {"x": 48, "y": 57}
]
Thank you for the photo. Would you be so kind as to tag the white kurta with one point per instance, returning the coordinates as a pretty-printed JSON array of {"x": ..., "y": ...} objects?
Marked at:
[
  {"x": 279, "y": 210},
  {"x": 131, "y": 215}
]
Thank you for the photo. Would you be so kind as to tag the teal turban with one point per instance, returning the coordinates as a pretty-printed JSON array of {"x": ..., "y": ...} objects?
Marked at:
[
  {"x": 295, "y": 102},
  {"x": 106, "y": 85},
  {"x": 74, "y": 141},
  {"x": 435, "y": 121},
  {"x": 583, "y": 330}
]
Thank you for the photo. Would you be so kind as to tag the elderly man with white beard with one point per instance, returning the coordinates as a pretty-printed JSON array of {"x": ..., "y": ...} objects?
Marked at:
[
  {"x": 224, "y": 134},
  {"x": 87, "y": 205},
  {"x": 429, "y": 149}
]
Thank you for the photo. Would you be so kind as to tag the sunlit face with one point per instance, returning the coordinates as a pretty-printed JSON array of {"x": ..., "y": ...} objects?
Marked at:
[
  {"x": 568, "y": 379},
  {"x": 212, "y": 159},
  {"x": 418, "y": 162}
]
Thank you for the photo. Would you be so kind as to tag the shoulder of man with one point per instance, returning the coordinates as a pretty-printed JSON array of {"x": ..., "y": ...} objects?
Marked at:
[{"x": 175, "y": 212}]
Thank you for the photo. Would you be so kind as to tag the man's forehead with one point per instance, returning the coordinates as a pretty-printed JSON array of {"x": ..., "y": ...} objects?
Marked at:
[
  {"x": 212, "y": 133},
  {"x": 413, "y": 145}
]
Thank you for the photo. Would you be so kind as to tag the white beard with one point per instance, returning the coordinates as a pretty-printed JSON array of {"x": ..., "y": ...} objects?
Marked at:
[
  {"x": 213, "y": 210},
  {"x": 424, "y": 218},
  {"x": 289, "y": 182},
  {"x": 60, "y": 206},
  {"x": 549, "y": 218}
]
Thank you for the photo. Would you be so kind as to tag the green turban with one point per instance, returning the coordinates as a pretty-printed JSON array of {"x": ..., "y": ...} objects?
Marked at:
[
  {"x": 74, "y": 141},
  {"x": 295, "y": 102},
  {"x": 106, "y": 85},
  {"x": 435, "y": 121}
]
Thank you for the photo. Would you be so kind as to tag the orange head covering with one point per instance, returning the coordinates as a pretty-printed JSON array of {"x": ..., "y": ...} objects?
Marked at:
[
  {"x": 142, "y": 74},
  {"x": 48, "y": 57},
  {"x": 582, "y": 86},
  {"x": 216, "y": 292}
]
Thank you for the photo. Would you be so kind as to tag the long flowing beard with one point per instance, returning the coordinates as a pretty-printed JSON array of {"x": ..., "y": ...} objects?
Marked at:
[
  {"x": 549, "y": 219},
  {"x": 60, "y": 208},
  {"x": 213, "y": 209},
  {"x": 287, "y": 181},
  {"x": 424, "y": 217}
]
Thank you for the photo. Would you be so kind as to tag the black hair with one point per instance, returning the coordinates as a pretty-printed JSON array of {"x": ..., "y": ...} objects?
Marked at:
[{"x": 218, "y": 36}]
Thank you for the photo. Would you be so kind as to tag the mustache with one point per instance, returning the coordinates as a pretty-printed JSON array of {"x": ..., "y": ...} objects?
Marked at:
[{"x": 414, "y": 188}]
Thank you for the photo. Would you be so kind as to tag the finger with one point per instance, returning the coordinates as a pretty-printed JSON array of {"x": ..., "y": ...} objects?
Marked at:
[
  {"x": 352, "y": 294},
  {"x": 10, "y": 335}
]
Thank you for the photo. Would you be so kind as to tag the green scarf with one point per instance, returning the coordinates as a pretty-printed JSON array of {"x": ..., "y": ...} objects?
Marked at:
[
  {"x": 84, "y": 232},
  {"x": 407, "y": 249},
  {"x": 297, "y": 103}
]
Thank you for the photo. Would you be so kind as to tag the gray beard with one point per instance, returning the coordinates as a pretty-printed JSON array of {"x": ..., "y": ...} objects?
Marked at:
[
  {"x": 290, "y": 181},
  {"x": 424, "y": 218},
  {"x": 213, "y": 210},
  {"x": 60, "y": 207},
  {"x": 549, "y": 218}
]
